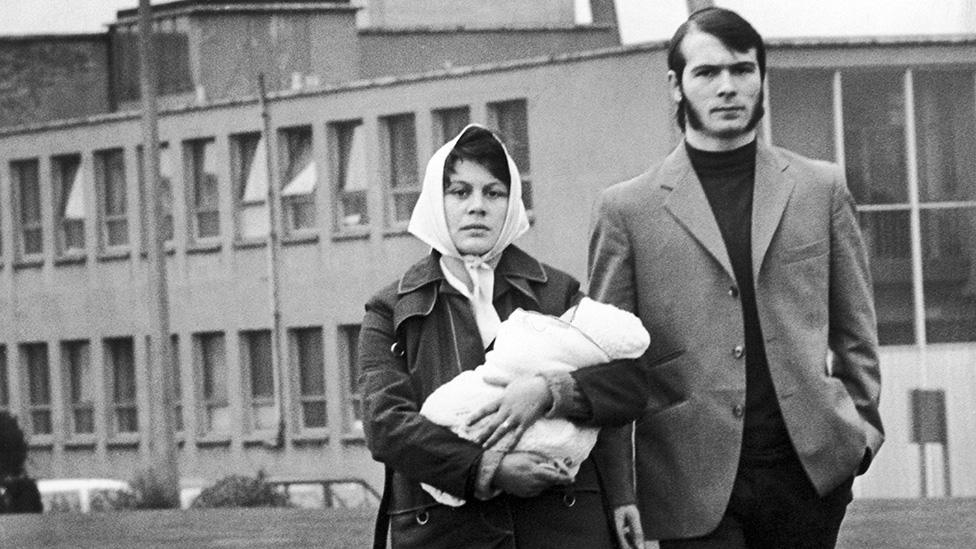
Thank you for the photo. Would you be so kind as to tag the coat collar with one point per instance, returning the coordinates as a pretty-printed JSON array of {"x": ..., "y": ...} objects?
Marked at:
[
  {"x": 688, "y": 203},
  {"x": 418, "y": 287}
]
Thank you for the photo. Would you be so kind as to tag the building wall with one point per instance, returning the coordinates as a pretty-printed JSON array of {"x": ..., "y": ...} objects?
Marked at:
[
  {"x": 393, "y": 52},
  {"x": 50, "y": 78},
  {"x": 435, "y": 13}
]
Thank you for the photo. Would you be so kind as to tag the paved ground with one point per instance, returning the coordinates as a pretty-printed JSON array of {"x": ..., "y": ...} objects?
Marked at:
[{"x": 872, "y": 524}]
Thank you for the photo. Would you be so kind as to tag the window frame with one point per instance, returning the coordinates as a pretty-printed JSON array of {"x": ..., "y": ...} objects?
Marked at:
[
  {"x": 45, "y": 407},
  {"x": 214, "y": 372},
  {"x": 296, "y": 353},
  {"x": 23, "y": 226},
  {"x": 392, "y": 172},
  {"x": 340, "y": 162},
  {"x": 108, "y": 221},
  {"x": 119, "y": 404},
  {"x": 62, "y": 225},
  {"x": 195, "y": 154},
  {"x": 73, "y": 406},
  {"x": 287, "y": 172}
]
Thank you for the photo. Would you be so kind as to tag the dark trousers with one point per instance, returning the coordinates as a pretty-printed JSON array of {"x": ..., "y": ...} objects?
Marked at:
[{"x": 774, "y": 506}]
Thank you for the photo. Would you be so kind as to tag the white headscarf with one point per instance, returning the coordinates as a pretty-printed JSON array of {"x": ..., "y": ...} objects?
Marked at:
[{"x": 429, "y": 223}]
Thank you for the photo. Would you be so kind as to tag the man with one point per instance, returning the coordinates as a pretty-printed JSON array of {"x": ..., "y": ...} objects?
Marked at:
[{"x": 757, "y": 402}]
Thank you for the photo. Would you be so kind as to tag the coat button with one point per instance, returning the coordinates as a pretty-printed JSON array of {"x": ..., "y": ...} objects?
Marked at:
[
  {"x": 738, "y": 351},
  {"x": 737, "y": 410},
  {"x": 733, "y": 291},
  {"x": 396, "y": 349}
]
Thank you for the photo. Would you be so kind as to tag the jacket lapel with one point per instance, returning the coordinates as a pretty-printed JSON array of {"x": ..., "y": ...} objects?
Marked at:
[
  {"x": 689, "y": 205},
  {"x": 772, "y": 192}
]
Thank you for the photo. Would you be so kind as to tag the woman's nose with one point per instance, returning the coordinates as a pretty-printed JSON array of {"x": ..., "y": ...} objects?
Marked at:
[{"x": 476, "y": 202}]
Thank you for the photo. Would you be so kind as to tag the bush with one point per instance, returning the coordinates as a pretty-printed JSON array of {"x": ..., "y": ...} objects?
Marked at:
[
  {"x": 241, "y": 491},
  {"x": 152, "y": 492}
]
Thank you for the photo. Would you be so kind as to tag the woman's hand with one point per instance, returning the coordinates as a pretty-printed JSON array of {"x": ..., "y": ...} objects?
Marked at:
[
  {"x": 630, "y": 534},
  {"x": 525, "y": 474},
  {"x": 525, "y": 400}
]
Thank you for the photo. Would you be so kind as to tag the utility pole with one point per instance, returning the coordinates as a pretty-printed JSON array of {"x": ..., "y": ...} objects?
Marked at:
[
  {"x": 161, "y": 443},
  {"x": 695, "y": 5},
  {"x": 274, "y": 251}
]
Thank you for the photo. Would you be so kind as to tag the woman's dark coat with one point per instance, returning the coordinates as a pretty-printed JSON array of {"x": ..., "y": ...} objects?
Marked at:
[{"x": 419, "y": 333}]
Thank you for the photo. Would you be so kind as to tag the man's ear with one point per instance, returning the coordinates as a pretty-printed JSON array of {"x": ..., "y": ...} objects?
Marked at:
[{"x": 675, "y": 84}]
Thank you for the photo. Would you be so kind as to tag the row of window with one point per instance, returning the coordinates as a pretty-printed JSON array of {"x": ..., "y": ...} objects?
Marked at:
[
  {"x": 84, "y": 383},
  {"x": 195, "y": 165}
]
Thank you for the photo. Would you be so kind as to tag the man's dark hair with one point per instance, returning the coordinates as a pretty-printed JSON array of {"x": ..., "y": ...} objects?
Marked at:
[
  {"x": 13, "y": 447},
  {"x": 481, "y": 146},
  {"x": 734, "y": 32}
]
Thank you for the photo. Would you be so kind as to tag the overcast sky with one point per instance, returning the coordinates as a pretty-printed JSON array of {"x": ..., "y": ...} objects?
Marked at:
[{"x": 640, "y": 20}]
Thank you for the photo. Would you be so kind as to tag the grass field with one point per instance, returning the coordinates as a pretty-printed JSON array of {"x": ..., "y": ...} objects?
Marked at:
[{"x": 871, "y": 524}]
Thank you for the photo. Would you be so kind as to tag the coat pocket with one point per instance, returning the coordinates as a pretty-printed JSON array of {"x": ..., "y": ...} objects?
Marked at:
[{"x": 805, "y": 251}]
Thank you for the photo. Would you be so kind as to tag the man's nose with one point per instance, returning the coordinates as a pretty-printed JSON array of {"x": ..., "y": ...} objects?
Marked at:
[{"x": 726, "y": 84}]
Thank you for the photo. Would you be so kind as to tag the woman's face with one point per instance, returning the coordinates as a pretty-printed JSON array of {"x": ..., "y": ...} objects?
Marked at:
[{"x": 475, "y": 203}]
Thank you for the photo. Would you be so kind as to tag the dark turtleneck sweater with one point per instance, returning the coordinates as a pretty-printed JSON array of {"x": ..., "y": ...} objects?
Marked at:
[{"x": 728, "y": 179}]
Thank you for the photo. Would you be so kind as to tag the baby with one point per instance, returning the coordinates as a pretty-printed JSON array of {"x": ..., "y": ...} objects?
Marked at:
[{"x": 530, "y": 343}]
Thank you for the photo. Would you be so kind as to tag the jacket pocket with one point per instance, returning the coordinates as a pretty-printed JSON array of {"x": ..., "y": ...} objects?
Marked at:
[{"x": 805, "y": 251}]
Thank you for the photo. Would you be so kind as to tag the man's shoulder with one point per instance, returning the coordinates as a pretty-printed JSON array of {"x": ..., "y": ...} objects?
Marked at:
[
  {"x": 809, "y": 168},
  {"x": 640, "y": 188}
]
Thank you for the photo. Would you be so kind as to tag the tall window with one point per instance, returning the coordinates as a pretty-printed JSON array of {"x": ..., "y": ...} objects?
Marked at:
[
  {"x": 401, "y": 165},
  {"x": 4, "y": 381},
  {"x": 511, "y": 120},
  {"x": 112, "y": 207},
  {"x": 249, "y": 165},
  {"x": 37, "y": 378},
  {"x": 211, "y": 366},
  {"x": 449, "y": 122},
  {"x": 165, "y": 193},
  {"x": 256, "y": 358},
  {"x": 349, "y": 362},
  {"x": 205, "y": 196},
  {"x": 298, "y": 184},
  {"x": 27, "y": 203},
  {"x": 120, "y": 362},
  {"x": 307, "y": 360},
  {"x": 70, "y": 202},
  {"x": 174, "y": 360},
  {"x": 349, "y": 172},
  {"x": 874, "y": 142},
  {"x": 80, "y": 390},
  {"x": 946, "y": 141}
]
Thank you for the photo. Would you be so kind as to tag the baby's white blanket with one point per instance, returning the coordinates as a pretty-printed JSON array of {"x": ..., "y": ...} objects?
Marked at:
[{"x": 529, "y": 343}]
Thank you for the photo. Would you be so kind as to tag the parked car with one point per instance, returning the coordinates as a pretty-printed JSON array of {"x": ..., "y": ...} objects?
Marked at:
[{"x": 85, "y": 495}]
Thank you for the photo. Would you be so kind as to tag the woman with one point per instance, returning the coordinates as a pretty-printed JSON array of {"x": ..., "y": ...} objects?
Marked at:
[
  {"x": 435, "y": 322},
  {"x": 18, "y": 492}
]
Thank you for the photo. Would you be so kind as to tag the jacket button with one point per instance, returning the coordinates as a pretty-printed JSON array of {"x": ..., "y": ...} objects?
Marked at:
[
  {"x": 738, "y": 351},
  {"x": 396, "y": 349},
  {"x": 733, "y": 291},
  {"x": 737, "y": 410}
]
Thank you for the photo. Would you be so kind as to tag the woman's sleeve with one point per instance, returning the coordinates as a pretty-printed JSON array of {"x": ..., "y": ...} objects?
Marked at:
[{"x": 396, "y": 433}]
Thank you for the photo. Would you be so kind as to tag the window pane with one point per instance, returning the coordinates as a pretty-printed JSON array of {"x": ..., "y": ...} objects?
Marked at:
[
  {"x": 946, "y": 133},
  {"x": 801, "y": 111},
  {"x": 121, "y": 356},
  {"x": 511, "y": 122},
  {"x": 949, "y": 259},
  {"x": 874, "y": 137},
  {"x": 259, "y": 360},
  {"x": 35, "y": 362},
  {"x": 298, "y": 186},
  {"x": 351, "y": 174},
  {"x": 28, "y": 194},
  {"x": 174, "y": 360},
  {"x": 211, "y": 365},
  {"x": 250, "y": 171},
  {"x": 404, "y": 181},
  {"x": 110, "y": 178},
  {"x": 449, "y": 123},
  {"x": 81, "y": 385},
  {"x": 70, "y": 197},
  {"x": 308, "y": 343},
  {"x": 206, "y": 204},
  {"x": 886, "y": 236},
  {"x": 4, "y": 387},
  {"x": 349, "y": 349}
]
